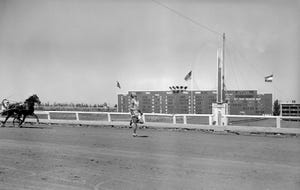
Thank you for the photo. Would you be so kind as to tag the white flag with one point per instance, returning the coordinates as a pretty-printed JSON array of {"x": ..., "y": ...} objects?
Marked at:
[{"x": 269, "y": 78}]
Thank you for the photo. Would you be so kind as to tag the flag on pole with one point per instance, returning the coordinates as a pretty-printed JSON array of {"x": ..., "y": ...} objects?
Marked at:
[
  {"x": 188, "y": 76},
  {"x": 118, "y": 85},
  {"x": 269, "y": 78}
]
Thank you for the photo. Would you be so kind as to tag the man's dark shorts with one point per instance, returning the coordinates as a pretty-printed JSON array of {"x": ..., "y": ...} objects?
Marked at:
[{"x": 135, "y": 119}]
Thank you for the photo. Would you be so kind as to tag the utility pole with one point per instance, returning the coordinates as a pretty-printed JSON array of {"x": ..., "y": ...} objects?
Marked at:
[
  {"x": 223, "y": 71},
  {"x": 220, "y": 108}
]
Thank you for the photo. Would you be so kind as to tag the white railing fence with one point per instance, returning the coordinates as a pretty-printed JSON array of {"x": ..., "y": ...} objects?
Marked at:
[
  {"x": 75, "y": 117},
  {"x": 263, "y": 121},
  {"x": 201, "y": 119},
  {"x": 49, "y": 116}
]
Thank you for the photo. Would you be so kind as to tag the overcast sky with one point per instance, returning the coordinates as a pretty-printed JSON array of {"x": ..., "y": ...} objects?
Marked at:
[{"x": 76, "y": 50}]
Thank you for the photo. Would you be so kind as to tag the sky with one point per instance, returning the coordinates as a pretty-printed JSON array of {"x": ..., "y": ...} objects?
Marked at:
[{"x": 74, "y": 51}]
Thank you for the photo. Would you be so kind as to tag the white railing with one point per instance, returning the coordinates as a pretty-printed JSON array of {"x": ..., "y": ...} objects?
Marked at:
[
  {"x": 278, "y": 119},
  {"x": 159, "y": 118},
  {"x": 110, "y": 115},
  {"x": 77, "y": 118},
  {"x": 169, "y": 120}
]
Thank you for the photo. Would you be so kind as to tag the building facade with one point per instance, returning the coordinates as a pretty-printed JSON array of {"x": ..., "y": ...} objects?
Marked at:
[
  {"x": 247, "y": 102},
  {"x": 290, "y": 109}
]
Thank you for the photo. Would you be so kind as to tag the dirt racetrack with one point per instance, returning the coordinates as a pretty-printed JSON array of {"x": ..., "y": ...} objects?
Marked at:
[{"x": 65, "y": 158}]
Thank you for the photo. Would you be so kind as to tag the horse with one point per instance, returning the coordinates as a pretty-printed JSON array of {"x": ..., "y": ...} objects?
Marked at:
[{"x": 18, "y": 110}]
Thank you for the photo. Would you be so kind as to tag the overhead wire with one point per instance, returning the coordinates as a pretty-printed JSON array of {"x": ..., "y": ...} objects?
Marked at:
[
  {"x": 200, "y": 25},
  {"x": 248, "y": 65},
  {"x": 193, "y": 22},
  {"x": 236, "y": 67},
  {"x": 186, "y": 17},
  {"x": 193, "y": 68},
  {"x": 261, "y": 75},
  {"x": 212, "y": 31},
  {"x": 231, "y": 69}
]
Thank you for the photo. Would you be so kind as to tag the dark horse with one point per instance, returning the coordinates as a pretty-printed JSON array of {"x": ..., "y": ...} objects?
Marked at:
[{"x": 17, "y": 110}]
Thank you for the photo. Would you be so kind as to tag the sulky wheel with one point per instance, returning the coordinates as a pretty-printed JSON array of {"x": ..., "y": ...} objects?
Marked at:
[{"x": 5, "y": 103}]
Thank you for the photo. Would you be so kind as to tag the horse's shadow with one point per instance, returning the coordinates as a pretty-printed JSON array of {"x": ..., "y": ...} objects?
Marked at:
[
  {"x": 26, "y": 126},
  {"x": 33, "y": 127},
  {"x": 142, "y": 136}
]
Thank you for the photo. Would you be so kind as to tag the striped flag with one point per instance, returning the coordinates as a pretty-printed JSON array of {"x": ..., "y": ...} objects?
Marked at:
[
  {"x": 269, "y": 78},
  {"x": 188, "y": 76},
  {"x": 118, "y": 85}
]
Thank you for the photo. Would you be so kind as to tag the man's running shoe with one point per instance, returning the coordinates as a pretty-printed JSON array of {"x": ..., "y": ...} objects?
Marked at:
[{"x": 134, "y": 134}]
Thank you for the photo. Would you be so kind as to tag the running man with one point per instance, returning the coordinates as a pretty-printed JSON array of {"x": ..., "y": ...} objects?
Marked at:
[{"x": 136, "y": 114}]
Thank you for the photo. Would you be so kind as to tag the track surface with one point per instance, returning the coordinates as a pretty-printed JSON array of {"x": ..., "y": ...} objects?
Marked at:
[{"x": 67, "y": 158}]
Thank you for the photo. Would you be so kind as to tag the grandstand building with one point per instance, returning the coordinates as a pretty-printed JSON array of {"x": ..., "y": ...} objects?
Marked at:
[
  {"x": 247, "y": 102},
  {"x": 290, "y": 109}
]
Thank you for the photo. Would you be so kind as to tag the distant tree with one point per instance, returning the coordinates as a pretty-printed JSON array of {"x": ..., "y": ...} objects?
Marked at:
[{"x": 276, "y": 108}]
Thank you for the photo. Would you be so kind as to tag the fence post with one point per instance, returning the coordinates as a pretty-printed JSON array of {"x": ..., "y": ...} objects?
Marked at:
[
  {"x": 184, "y": 119},
  {"x": 225, "y": 120},
  {"x": 108, "y": 117},
  {"x": 77, "y": 116},
  {"x": 174, "y": 119},
  {"x": 210, "y": 119},
  {"x": 278, "y": 122},
  {"x": 48, "y": 117}
]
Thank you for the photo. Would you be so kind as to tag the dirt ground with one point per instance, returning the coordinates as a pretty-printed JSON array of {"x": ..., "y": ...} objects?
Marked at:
[{"x": 46, "y": 157}]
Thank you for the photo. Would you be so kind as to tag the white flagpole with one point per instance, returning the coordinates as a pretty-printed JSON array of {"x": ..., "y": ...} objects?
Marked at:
[
  {"x": 274, "y": 89},
  {"x": 117, "y": 91},
  {"x": 117, "y": 102},
  {"x": 192, "y": 96}
]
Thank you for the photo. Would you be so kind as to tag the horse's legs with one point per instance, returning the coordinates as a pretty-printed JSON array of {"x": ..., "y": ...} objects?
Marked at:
[
  {"x": 24, "y": 116},
  {"x": 37, "y": 119},
  {"x": 8, "y": 115}
]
